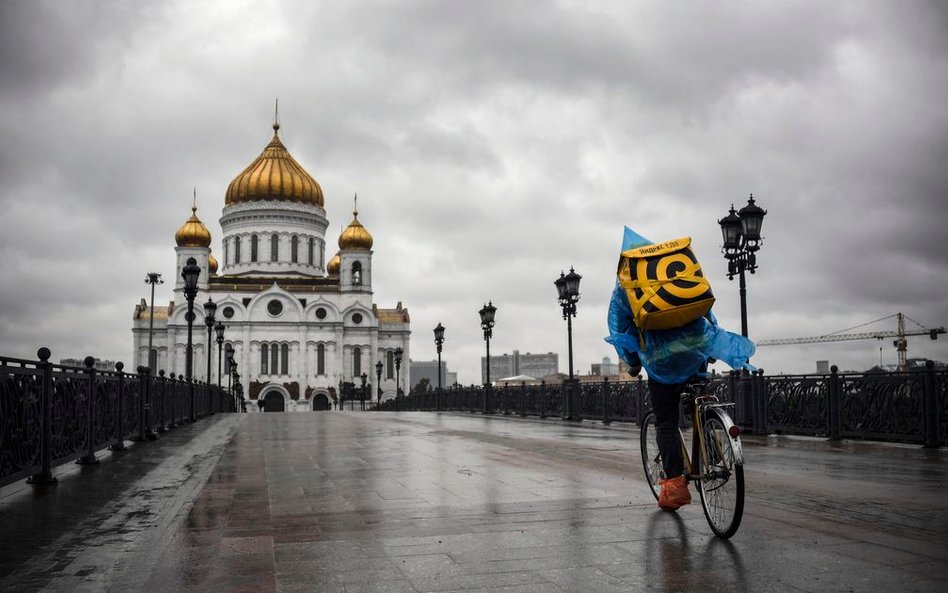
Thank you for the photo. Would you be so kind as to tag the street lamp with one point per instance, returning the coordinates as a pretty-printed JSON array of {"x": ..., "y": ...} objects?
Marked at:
[
  {"x": 741, "y": 231},
  {"x": 378, "y": 384},
  {"x": 152, "y": 278},
  {"x": 487, "y": 324},
  {"x": 219, "y": 328},
  {"x": 398, "y": 365},
  {"x": 362, "y": 393},
  {"x": 210, "y": 307},
  {"x": 439, "y": 340},
  {"x": 190, "y": 274},
  {"x": 567, "y": 288}
]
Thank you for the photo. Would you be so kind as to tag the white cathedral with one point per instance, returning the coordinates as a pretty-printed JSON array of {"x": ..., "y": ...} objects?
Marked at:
[{"x": 300, "y": 327}]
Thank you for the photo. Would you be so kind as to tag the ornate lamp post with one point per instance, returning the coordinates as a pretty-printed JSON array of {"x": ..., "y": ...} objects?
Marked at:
[
  {"x": 378, "y": 384},
  {"x": 210, "y": 308},
  {"x": 742, "y": 239},
  {"x": 362, "y": 393},
  {"x": 152, "y": 278},
  {"x": 487, "y": 324},
  {"x": 219, "y": 329},
  {"x": 439, "y": 340},
  {"x": 567, "y": 288},
  {"x": 398, "y": 365},
  {"x": 190, "y": 274}
]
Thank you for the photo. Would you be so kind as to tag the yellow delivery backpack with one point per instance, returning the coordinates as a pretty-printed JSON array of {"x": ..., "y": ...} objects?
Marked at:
[{"x": 664, "y": 284}]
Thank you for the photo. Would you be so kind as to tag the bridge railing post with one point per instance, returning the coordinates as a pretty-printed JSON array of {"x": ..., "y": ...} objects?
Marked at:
[
  {"x": 759, "y": 395},
  {"x": 45, "y": 475},
  {"x": 542, "y": 396},
  {"x": 932, "y": 408},
  {"x": 89, "y": 458},
  {"x": 605, "y": 400},
  {"x": 119, "y": 444},
  {"x": 163, "y": 383},
  {"x": 833, "y": 405}
]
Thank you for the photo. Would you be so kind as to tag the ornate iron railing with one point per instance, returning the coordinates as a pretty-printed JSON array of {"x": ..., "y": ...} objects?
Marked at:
[
  {"x": 904, "y": 406},
  {"x": 51, "y": 414}
]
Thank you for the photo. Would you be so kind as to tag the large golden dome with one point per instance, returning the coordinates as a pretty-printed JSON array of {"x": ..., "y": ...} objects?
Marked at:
[
  {"x": 355, "y": 236},
  {"x": 274, "y": 175},
  {"x": 212, "y": 264},
  {"x": 332, "y": 268},
  {"x": 193, "y": 233}
]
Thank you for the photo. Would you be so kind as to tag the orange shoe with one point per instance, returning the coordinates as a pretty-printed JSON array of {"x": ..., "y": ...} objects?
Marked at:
[{"x": 674, "y": 494}]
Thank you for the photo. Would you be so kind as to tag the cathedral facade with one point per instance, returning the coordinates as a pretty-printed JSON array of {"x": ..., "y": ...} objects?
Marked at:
[{"x": 301, "y": 327}]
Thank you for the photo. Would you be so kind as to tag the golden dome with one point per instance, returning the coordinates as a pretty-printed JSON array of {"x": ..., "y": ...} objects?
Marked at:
[
  {"x": 212, "y": 264},
  {"x": 274, "y": 175},
  {"x": 355, "y": 236},
  {"x": 332, "y": 268},
  {"x": 193, "y": 233}
]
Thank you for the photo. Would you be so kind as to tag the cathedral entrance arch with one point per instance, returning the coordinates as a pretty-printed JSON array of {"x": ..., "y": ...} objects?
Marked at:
[
  {"x": 274, "y": 399},
  {"x": 321, "y": 402}
]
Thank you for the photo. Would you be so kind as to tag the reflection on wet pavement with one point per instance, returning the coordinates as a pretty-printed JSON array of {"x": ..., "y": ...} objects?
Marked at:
[{"x": 452, "y": 502}]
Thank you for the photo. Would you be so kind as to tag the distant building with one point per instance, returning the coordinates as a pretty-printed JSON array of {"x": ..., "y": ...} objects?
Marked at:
[
  {"x": 912, "y": 364},
  {"x": 428, "y": 369},
  {"x": 605, "y": 369},
  {"x": 99, "y": 365},
  {"x": 510, "y": 365}
]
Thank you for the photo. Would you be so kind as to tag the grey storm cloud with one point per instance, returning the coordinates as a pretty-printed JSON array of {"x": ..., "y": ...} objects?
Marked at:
[{"x": 492, "y": 145}]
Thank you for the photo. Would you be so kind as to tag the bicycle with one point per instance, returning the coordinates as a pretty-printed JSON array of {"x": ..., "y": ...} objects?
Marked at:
[{"x": 716, "y": 462}]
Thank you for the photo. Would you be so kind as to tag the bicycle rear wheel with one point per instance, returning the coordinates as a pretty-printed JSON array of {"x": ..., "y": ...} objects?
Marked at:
[
  {"x": 651, "y": 458},
  {"x": 722, "y": 478}
]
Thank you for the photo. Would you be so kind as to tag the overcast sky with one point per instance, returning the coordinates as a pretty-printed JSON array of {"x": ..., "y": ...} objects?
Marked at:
[{"x": 492, "y": 145}]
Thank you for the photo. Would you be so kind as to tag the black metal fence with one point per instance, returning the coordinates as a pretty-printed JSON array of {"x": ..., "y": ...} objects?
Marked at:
[
  {"x": 909, "y": 406},
  {"x": 51, "y": 414}
]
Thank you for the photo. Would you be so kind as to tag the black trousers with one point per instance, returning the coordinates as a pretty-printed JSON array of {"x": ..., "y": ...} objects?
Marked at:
[{"x": 666, "y": 402}]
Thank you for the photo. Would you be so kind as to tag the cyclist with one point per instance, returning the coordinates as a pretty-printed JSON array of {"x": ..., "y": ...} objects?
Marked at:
[{"x": 671, "y": 358}]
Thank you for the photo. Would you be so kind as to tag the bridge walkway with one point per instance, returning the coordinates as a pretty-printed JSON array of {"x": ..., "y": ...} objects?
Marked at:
[{"x": 419, "y": 502}]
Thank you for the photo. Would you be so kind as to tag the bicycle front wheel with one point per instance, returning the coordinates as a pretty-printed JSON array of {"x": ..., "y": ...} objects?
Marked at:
[
  {"x": 651, "y": 457},
  {"x": 722, "y": 478}
]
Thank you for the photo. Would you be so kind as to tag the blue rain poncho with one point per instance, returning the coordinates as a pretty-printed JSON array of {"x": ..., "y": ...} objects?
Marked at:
[{"x": 671, "y": 355}]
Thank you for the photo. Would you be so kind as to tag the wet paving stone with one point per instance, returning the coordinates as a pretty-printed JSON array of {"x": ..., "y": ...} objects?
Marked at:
[{"x": 419, "y": 502}]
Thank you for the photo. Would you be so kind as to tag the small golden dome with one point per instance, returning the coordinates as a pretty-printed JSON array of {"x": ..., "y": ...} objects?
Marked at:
[
  {"x": 212, "y": 264},
  {"x": 355, "y": 236},
  {"x": 332, "y": 268},
  {"x": 193, "y": 233},
  {"x": 274, "y": 175}
]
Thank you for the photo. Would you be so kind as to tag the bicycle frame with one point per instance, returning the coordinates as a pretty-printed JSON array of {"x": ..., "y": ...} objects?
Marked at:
[{"x": 699, "y": 405}]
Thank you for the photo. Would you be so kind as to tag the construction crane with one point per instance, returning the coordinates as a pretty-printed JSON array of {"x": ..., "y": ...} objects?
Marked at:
[{"x": 900, "y": 343}]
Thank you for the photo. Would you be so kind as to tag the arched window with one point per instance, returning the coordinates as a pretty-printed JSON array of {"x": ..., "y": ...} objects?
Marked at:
[
  {"x": 285, "y": 359},
  {"x": 274, "y": 247},
  {"x": 226, "y": 261},
  {"x": 264, "y": 359},
  {"x": 237, "y": 249},
  {"x": 390, "y": 365},
  {"x": 357, "y": 273},
  {"x": 274, "y": 359},
  {"x": 294, "y": 249},
  {"x": 356, "y": 362},
  {"x": 312, "y": 250},
  {"x": 253, "y": 247},
  {"x": 321, "y": 359}
]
